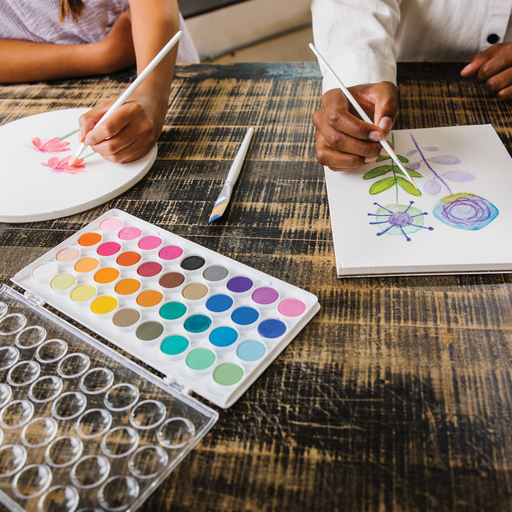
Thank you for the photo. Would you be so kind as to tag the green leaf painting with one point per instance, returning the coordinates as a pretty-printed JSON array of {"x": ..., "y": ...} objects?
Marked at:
[
  {"x": 400, "y": 157},
  {"x": 408, "y": 186},
  {"x": 387, "y": 183},
  {"x": 384, "y": 169},
  {"x": 392, "y": 181},
  {"x": 382, "y": 185}
]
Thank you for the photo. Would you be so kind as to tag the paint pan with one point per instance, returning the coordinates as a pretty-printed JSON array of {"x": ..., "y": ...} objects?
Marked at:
[{"x": 205, "y": 321}]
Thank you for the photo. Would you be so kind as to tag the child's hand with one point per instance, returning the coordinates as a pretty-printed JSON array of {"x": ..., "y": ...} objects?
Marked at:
[
  {"x": 116, "y": 51},
  {"x": 493, "y": 68},
  {"x": 130, "y": 132}
]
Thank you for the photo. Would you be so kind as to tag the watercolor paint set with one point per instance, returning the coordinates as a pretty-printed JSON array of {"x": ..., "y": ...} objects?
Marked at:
[
  {"x": 84, "y": 427},
  {"x": 210, "y": 324}
]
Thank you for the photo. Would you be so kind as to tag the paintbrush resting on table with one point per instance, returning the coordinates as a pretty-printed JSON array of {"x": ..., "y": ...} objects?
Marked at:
[
  {"x": 225, "y": 194},
  {"x": 131, "y": 89},
  {"x": 362, "y": 113}
]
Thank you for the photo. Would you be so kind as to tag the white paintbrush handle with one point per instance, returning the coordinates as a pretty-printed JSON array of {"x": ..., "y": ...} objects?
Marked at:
[
  {"x": 341, "y": 85},
  {"x": 135, "y": 84},
  {"x": 150, "y": 67},
  {"x": 237, "y": 164},
  {"x": 361, "y": 112}
]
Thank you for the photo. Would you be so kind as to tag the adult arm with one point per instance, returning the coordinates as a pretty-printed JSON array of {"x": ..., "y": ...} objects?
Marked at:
[
  {"x": 134, "y": 128},
  {"x": 493, "y": 69},
  {"x": 26, "y": 61},
  {"x": 356, "y": 37}
]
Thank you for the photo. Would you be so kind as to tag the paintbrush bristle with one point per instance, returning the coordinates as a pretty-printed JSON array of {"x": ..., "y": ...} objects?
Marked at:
[
  {"x": 218, "y": 212},
  {"x": 72, "y": 159}
]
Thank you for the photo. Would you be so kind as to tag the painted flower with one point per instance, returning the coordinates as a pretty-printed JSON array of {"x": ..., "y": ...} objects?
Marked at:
[
  {"x": 465, "y": 211},
  {"x": 54, "y": 145},
  {"x": 62, "y": 166},
  {"x": 399, "y": 219}
]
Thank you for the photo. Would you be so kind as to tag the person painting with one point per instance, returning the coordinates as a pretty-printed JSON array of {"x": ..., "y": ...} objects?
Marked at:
[
  {"x": 56, "y": 39},
  {"x": 363, "y": 39}
]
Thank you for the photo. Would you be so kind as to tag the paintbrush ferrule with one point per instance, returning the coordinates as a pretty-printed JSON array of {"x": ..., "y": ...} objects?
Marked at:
[
  {"x": 225, "y": 195},
  {"x": 77, "y": 154},
  {"x": 222, "y": 202}
]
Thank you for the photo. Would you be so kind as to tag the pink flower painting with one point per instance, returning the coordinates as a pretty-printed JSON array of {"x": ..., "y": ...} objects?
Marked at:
[
  {"x": 55, "y": 145},
  {"x": 62, "y": 166}
]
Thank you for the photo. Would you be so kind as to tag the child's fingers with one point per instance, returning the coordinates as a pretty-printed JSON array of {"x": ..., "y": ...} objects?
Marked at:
[
  {"x": 108, "y": 128},
  {"x": 90, "y": 119},
  {"x": 124, "y": 147},
  {"x": 128, "y": 154},
  {"x": 124, "y": 136}
]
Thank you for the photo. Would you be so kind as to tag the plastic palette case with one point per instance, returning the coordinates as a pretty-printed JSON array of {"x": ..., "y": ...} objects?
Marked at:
[
  {"x": 210, "y": 324},
  {"x": 82, "y": 428}
]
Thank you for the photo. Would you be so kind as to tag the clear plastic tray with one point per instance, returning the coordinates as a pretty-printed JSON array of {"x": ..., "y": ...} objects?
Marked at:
[{"x": 82, "y": 427}]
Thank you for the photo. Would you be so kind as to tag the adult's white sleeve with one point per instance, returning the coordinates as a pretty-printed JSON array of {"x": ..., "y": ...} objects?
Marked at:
[{"x": 357, "y": 39}]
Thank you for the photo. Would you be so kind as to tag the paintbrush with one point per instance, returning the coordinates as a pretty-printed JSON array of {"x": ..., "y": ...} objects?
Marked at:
[
  {"x": 225, "y": 194},
  {"x": 363, "y": 114},
  {"x": 131, "y": 89}
]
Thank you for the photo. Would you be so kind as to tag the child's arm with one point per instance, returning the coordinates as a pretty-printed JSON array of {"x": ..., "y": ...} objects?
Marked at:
[
  {"x": 25, "y": 61},
  {"x": 134, "y": 128}
]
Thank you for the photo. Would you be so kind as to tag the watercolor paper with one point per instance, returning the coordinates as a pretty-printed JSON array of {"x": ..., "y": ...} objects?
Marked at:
[
  {"x": 37, "y": 181},
  {"x": 458, "y": 224}
]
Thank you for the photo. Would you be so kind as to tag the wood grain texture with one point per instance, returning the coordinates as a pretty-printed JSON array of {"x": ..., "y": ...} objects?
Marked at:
[{"x": 398, "y": 395}]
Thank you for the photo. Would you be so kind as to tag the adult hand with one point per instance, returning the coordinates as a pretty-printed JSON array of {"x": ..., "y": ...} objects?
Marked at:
[
  {"x": 493, "y": 68},
  {"x": 343, "y": 140},
  {"x": 131, "y": 131}
]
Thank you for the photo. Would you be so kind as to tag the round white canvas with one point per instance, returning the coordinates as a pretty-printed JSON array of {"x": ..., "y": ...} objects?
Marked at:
[{"x": 35, "y": 187}]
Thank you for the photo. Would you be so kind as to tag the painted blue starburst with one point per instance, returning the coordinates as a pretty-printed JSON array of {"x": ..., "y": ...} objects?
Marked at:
[{"x": 399, "y": 219}]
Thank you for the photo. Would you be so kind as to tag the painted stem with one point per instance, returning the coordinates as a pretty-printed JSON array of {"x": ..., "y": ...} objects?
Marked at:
[
  {"x": 393, "y": 168},
  {"x": 427, "y": 164},
  {"x": 68, "y": 135}
]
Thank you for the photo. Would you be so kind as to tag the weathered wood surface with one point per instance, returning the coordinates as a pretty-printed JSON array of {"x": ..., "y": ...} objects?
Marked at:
[{"x": 398, "y": 395}]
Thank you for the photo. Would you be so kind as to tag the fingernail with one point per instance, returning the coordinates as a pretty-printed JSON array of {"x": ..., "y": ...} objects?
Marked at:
[
  {"x": 86, "y": 141},
  {"x": 385, "y": 124},
  {"x": 383, "y": 152},
  {"x": 369, "y": 160},
  {"x": 375, "y": 135}
]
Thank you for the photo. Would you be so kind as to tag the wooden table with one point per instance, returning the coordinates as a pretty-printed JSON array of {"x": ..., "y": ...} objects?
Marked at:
[{"x": 398, "y": 395}]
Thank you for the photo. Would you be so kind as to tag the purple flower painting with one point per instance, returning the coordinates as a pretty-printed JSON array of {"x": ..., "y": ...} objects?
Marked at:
[
  {"x": 398, "y": 219},
  {"x": 461, "y": 210}
]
